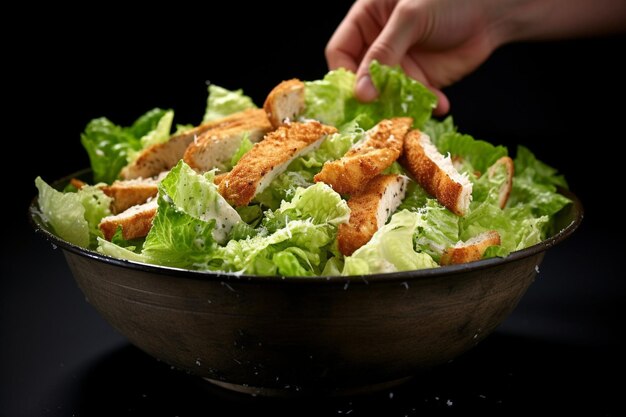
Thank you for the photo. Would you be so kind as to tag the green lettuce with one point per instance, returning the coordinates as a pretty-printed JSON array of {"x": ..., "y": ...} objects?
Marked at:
[
  {"x": 325, "y": 99},
  {"x": 159, "y": 133},
  {"x": 192, "y": 218},
  {"x": 293, "y": 240},
  {"x": 477, "y": 155},
  {"x": 243, "y": 148},
  {"x": 256, "y": 255},
  {"x": 72, "y": 214},
  {"x": 97, "y": 206},
  {"x": 390, "y": 249},
  {"x": 116, "y": 251},
  {"x": 64, "y": 212},
  {"x": 535, "y": 185},
  {"x": 332, "y": 101},
  {"x": 111, "y": 147},
  {"x": 437, "y": 229},
  {"x": 197, "y": 196},
  {"x": 178, "y": 239},
  {"x": 223, "y": 102}
]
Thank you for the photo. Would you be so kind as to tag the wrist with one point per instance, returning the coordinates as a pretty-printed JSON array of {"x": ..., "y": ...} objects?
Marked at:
[{"x": 514, "y": 20}]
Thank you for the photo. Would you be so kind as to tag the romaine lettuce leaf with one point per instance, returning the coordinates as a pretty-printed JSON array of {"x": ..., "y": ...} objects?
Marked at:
[
  {"x": 390, "y": 249},
  {"x": 64, "y": 212},
  {"x": 535, "y": 185},
  {"x": 223, "y": 102},
  {"x": 243, "y": 148},
  {"x": 111, "y": 249},
  {"x": 67, "y": 218},
  {"x": 332, "y": 101},
  {"x": 477, "y": 155},
  {"x": 178, "y": 239},
  {"x": 110, "y": 147},
  {"x": 197, "y": 196},
  {"x": 437, "y": 229},
  {"x": 325, "y": 99},
  {"x": 255, "y": 255},
  {"x": 97, "y": 206},
  {"x": 159, "y": 133},
  {"x": 294, "y": 240},
  {"x": 319, "y": 203}
]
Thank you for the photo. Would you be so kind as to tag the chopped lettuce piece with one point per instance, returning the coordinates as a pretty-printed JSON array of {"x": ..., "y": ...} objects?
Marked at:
[
  {"x": 115, "y": 251},
  {"x": 64, "y": 212},
  {"x": 390, "y": 249},
  {"x": 223, "y": 102},
  {"x": 197, "y": 196},
  {"x": 183, "y": 128},
  {"x": 535, "y": 185},
  {"x": 319, "y": 203},
  {"x": 399, "y": 95},
  {"x": 110, "y": 147},
  {"x": 295, "y": 239},
  {"x": 160, "y": 133},
  {"x": 243, "y": 148},
  {"x": 97, "y": 206},
  {"x": 438, "y": 229},
  {"x": 255, "y": 255},
  {"x": 477, "y": 155},
  {"x": 178, "y": 239},
  {"x": 331, "y": 100},
  {"x": 326, "y": 99},
  {"x": 68, "y": 220}
]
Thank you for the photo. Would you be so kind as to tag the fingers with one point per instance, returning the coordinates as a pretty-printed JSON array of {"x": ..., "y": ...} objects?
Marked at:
[
  {"x": 351, "y": 38},
  {"x": 344, "y": 47},
  {"x": 389, "y": 48},
  {"x": 443, "y": 104}
]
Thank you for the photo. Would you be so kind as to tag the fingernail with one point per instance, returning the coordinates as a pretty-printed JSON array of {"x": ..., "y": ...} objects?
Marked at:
[{"x": 365, "y": 90}]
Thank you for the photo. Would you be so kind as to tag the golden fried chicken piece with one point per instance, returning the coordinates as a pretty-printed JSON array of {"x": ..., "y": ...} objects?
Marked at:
[{"x": 380, "y": 148}]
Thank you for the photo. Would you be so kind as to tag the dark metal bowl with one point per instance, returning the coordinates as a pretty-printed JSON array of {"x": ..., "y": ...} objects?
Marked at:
[{"x": 292, "y": 335}]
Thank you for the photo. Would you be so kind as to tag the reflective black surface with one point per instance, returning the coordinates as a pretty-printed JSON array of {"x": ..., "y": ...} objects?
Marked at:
[{"x": 559, "y": 351}]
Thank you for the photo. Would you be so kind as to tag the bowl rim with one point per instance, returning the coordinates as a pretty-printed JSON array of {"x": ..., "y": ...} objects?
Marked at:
[{"x": 38, "y": 225}]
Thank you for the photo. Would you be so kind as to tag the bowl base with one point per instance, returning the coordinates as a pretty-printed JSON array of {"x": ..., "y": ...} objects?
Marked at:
[{"x": 290, "y": 392}]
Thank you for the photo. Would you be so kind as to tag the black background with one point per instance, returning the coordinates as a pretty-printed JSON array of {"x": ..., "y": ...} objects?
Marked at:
[{"x": 565, "y": 100}]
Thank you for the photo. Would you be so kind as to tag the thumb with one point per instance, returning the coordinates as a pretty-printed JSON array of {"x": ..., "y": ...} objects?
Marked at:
[{"x": 389, "y": 48}]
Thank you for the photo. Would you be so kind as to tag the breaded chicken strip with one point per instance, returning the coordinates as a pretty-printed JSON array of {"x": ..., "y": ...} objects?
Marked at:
[
  {"x": 269, "y": 158},
  {"x": 126, "y": 194},
  {"x": 471, "y": 250},
  {"x": 215, "y": 147},
  {"x": 135, "y": 222},
  {"x": 380, "y": 148},
  {"x": 285, "y": 102},
  {"x": 369, "y": 210},
  {"x": 507, "y": 186},
  {"x": 435, "y": 173},
  {"x": 163, "y": 156}
]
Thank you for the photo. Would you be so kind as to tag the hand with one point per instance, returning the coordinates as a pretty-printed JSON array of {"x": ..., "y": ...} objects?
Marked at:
[
  {"x": 438, "y": 42},
  {"x": 435, "y": 42}
]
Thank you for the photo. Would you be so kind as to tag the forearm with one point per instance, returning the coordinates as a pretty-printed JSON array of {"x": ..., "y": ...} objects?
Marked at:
[{"x": 521, "y": 20}]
